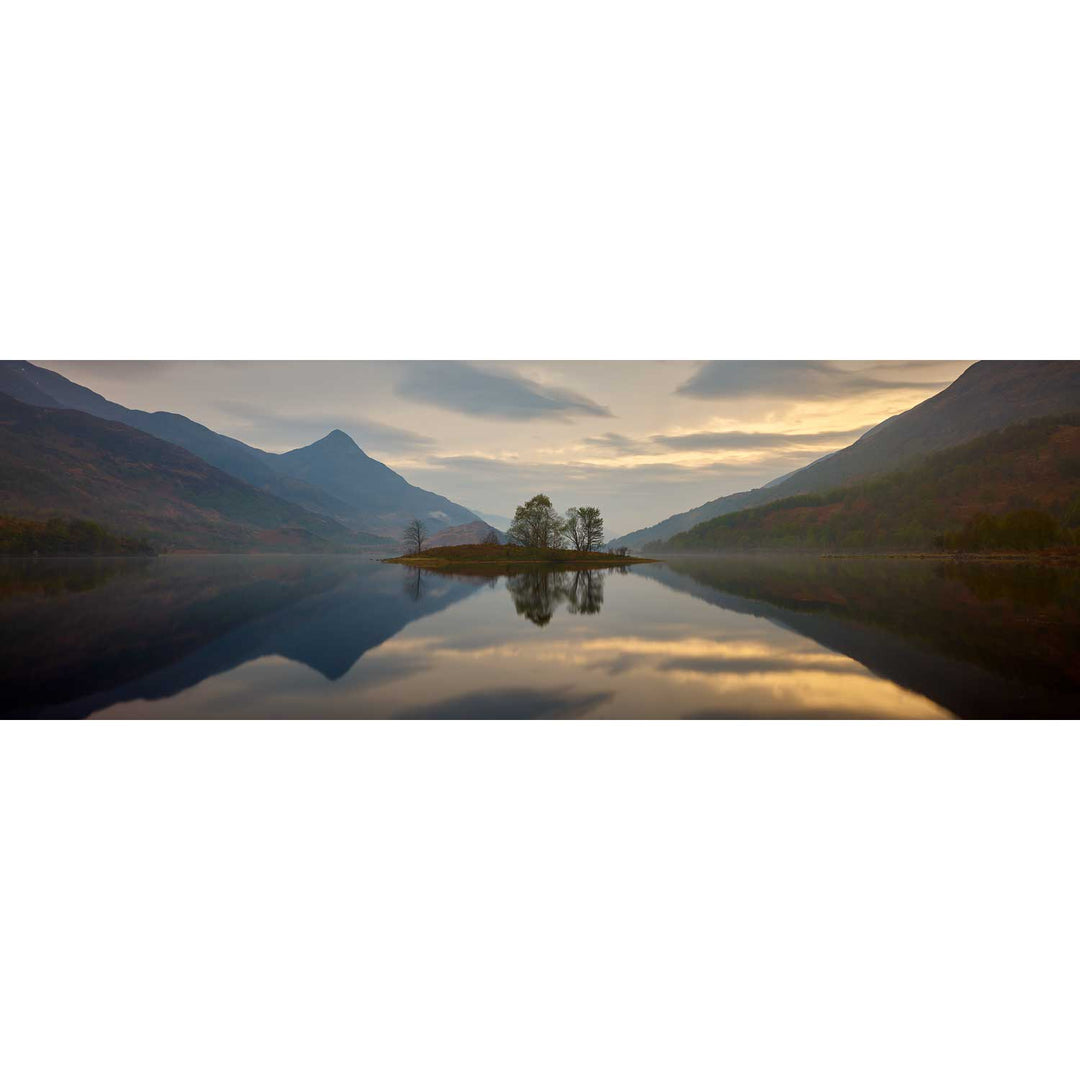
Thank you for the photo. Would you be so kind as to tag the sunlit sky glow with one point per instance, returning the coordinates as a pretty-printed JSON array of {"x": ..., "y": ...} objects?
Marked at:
[{"x": 640, "y": 439}]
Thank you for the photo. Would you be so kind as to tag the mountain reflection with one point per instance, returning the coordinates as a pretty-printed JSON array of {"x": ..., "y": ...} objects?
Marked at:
[
  {"x": 752, "y": 636},
  {"x": 982, "y": 638},
  {"x": 79, "y": 635}
]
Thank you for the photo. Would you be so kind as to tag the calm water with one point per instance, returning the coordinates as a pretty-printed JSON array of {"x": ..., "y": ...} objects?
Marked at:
[{"x": 275, "y": 636}]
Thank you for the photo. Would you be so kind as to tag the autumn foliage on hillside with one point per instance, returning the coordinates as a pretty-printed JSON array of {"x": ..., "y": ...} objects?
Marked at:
[
  {"x": 1015, "y": 489},
  {"x": 59, "y": 536}
]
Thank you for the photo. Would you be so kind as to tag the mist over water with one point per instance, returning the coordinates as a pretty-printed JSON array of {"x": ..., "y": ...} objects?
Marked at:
[{"x": 716, "y": 636}]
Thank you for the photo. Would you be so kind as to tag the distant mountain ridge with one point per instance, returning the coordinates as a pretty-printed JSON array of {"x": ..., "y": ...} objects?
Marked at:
[
  {"x": 332, "y": 477},
  {"x": 475, "y": 532},
  {"x": 987, "y": 396},
  {"x": 66, "y": 463}
]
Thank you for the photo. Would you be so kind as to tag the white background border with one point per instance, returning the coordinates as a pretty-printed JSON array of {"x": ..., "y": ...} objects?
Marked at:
[{"x": 500, "y": 180}]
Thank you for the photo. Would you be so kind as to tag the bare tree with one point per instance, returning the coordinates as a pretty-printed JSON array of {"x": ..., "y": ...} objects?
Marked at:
[
  {"x": 574, "y": 529},
  {"x": 592, "y": 526},
  {"x": 585, "y": 528},
  {"x": 492, "y": 537},
  {"x": 415, "y": 534}
]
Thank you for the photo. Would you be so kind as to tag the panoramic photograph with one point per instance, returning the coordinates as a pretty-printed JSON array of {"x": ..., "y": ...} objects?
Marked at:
[{"x": 540, "y": 540}]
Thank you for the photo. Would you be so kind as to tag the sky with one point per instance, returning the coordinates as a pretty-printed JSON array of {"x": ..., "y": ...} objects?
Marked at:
[{"x": 640, "y": 439}]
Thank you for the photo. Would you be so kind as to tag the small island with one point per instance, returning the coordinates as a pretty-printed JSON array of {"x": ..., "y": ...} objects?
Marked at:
[
  {"x": 538, "y": 536},
  {"x": 511, "y": 556}
]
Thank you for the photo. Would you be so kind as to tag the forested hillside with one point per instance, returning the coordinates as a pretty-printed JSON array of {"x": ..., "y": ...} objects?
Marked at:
[
  {"x": 1018, "y": 488},
  {"x": 73, "y": 536}
]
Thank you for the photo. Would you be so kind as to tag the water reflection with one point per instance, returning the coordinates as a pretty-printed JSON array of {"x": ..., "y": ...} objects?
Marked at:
[
  {"x": 983, "y": 639},
  {"x": 151, "y": 629},
  {"x": 537, "y": 595},
  {"x": 691, "y": 637}
]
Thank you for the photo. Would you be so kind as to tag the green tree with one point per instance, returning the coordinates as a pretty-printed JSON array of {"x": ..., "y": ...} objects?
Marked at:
[{"x": 537, "y": 525}]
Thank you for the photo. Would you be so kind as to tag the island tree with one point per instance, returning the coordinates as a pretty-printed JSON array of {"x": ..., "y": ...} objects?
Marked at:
[
  {"x": 536, "y": 524},
  {"x": 573, "y": 529},
  {"x": 415, "y": 534},
  {"x": 584, "y": 528}
]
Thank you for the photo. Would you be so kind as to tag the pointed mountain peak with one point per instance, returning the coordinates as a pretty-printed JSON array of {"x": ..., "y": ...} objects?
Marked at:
[{"x": 336, "y": 440}]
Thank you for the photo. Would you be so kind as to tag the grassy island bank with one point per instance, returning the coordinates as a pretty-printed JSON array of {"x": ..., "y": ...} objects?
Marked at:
[{"x": 510, "y": 556}]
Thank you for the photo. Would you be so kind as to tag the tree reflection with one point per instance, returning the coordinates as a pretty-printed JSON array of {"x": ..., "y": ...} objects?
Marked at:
[
  {"x": 586, "y": 593},
  {"x": 414, "y": 586},
  {"x": 537, "y": 594}
]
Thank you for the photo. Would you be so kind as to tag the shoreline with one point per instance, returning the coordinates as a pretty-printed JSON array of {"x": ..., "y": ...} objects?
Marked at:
[
  {"x": 1044, "y": 555},
  {"x": 963, "y": 556},
  {"x": 441, "y": 562}
]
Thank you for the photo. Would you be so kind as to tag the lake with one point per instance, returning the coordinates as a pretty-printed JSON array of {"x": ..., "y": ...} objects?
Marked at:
[{"x": 693, "y": 636}]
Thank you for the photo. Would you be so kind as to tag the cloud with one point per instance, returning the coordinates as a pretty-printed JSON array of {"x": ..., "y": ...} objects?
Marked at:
[
  {"x": 779, "y": 442},
  {"x": 474, "y": 461},
  {"x": 510, "y": 703},
  {"x": 612, "y": 440},
  {"x": 755, "y": 440},
  {"x": 466, "y": 388},
  {"x": 129, "y": 370},
  {"x": 629, "y": 492},
  {"x": 745, "y": 665},
  {"x": 799, "y": 379},
  {"x": 603, "y": 472},
  {"x": 303, "y": 429}
]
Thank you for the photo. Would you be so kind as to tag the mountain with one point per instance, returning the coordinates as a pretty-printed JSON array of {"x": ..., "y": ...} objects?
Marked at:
[
  {"x": 989, "y": 395},
  {"x": 497, "y": 521},
  {"x": 67, "y": 463},
  {"x": 1004, "y": 476},
  {"x": 476, "y": 532},
  {"x": 388, "y": 502},
  {"x": 40, "y": 386},
  {"x": 677, "y": 523},
  {"x": 333, "y": 477}
]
